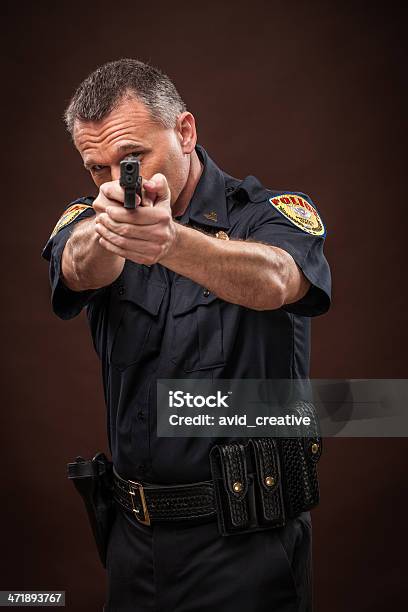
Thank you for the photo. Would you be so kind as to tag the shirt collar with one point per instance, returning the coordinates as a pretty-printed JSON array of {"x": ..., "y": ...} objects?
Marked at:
[
  {"x": 208, "y": 206},
  {"x": 253, "y": 188}
]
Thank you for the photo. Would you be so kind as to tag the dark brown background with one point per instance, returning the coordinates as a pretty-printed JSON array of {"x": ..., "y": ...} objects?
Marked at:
[{"x": 306, "y": 95}]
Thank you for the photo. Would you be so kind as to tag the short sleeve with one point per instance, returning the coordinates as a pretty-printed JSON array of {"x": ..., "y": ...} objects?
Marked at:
[
  {"x": 66, "y": 303},
  {"x": 292, "y": 222}
]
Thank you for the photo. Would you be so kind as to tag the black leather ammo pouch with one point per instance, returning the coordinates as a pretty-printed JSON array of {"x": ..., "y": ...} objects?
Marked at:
[
  {"x": 262, "y": 482},
  {"x": 93, "y": 480}
]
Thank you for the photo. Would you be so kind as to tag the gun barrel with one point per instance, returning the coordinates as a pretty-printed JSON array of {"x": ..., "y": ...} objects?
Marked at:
[{"x": 130, "y": 180}]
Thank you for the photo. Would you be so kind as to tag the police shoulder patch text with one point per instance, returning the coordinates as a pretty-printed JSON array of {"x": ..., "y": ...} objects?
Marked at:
[
  {"x": 298, "y": 210},
  {"x": 68, "y": 216}
]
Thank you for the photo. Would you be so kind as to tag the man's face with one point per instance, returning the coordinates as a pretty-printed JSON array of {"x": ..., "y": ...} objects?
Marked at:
[{"x": 130, "y": 129}]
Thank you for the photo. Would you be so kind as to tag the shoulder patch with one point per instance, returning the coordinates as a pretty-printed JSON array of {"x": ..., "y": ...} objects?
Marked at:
[
  {"x": 298, "y": 210},
  {"x": 68, "y": 216}
]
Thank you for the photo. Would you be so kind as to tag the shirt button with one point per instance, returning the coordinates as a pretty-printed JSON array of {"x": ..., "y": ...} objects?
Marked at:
[
  {"x": 121, "y": 289},
  {"x": 140, "y": 415},
  {"x": 206, "y": 293},
  {"x": 222, "y": 235}
]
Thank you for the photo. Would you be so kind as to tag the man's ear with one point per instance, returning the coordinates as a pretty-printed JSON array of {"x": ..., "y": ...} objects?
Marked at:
[{"x": 186, "y": 131}]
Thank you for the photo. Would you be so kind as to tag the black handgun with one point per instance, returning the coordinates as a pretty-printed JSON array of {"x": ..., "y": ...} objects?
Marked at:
[
  {"x": 130, "y": 180},
  {"x": 94, "y": 481}
]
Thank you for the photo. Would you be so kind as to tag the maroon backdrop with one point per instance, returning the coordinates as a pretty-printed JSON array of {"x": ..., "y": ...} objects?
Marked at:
[{"x": 306, "y": 95}]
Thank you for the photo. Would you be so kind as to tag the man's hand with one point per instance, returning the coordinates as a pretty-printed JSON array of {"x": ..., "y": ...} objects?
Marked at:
[{"x": 144, "y": 235}]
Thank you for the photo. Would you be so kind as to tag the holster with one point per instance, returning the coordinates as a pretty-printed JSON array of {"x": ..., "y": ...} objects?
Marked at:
[
  {"x": 93, "y": 479},
  {"x": 260, "y": 483}
]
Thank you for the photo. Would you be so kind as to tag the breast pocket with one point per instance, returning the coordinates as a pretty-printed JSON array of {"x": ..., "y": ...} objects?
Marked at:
[
  {"x": 135, "y": 318},
  {"x": 197, "y": 337}
]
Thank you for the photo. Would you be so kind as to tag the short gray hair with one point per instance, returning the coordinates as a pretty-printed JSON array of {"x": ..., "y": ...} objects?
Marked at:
[{"x": 109, "y": 84}]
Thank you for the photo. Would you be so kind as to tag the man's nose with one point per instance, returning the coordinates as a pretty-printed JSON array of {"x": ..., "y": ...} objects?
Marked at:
[{"x": 115, "y": 173}]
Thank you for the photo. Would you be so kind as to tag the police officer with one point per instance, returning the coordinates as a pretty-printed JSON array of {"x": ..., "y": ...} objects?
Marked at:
[{"x": 209, "y": 277}]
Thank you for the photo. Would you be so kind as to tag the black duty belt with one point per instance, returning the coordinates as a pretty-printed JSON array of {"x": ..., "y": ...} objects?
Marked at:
[
  {"x": 165, "y": 504},
  {"x": 254, "y": 486}
]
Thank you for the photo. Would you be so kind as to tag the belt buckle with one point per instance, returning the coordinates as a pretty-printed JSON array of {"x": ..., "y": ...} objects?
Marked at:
[{"x": 146, "y": 518}]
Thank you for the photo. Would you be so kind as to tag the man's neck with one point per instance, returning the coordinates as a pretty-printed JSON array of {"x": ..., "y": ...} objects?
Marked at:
[{"x": 194, "y": 174}]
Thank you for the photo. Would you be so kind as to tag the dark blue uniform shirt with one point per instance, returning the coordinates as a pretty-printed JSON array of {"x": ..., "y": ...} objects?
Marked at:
[{"x": 151, "y": 323}]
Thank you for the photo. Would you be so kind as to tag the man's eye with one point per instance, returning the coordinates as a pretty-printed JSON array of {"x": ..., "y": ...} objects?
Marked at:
[{"x": 97, "y": 168}]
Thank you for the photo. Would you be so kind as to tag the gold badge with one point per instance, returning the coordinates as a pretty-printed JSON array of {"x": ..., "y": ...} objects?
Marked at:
[
  {"x": 300, "y": 212},
  {"x": 211, "y": 216},
  {"x": 222, "y": 235},
  {"x": 68, "y": 216}
]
